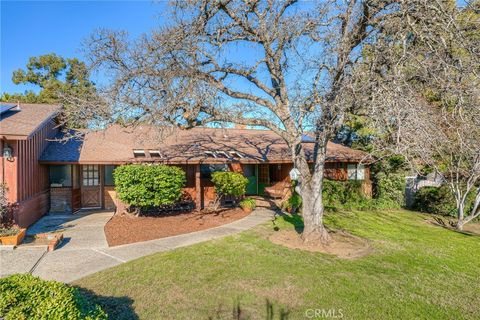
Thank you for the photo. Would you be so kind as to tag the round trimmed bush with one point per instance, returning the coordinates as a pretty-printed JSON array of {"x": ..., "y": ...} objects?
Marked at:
[
  {"x": 229, "y": 183},
  {"x": 146, "y": 186},
  {"x": 23, "y": 296}
]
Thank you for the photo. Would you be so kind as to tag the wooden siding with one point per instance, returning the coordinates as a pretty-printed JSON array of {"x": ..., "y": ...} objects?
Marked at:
[
  {"x": 336, "y": 171},
  {"x": 9, "y": 170},
  {"x": 27, "y": 180},
  {"x": 32, "y": 177},
  {"x": 32, "y": 209}
]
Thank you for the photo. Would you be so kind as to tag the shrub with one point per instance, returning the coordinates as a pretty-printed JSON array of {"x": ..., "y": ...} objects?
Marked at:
[
  {"x": 438, "y": 200},
  {"x": 333, "y": 193},
  {"x": 9, "y": 231},
  {"x": 390, "y": 188},
  {"x": 3, "y": 203},
  {"x": 248, "y": 203},
  {"x": 24, "y": 296},
  {"x": 293, "y": 204},
  {"x": 343, "y": 194},
  {"x": 146, "y": 186},
  {"x": 7, "y": 224},
  {"x": 228, "y": 183}
]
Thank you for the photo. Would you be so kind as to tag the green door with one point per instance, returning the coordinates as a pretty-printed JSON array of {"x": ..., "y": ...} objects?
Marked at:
[{"x": 250, "y": 171}]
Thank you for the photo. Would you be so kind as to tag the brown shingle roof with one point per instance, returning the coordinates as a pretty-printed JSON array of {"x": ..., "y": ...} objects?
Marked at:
[
  {"x": 22, "y": 123},
  {"x": 116, "y": 145}
]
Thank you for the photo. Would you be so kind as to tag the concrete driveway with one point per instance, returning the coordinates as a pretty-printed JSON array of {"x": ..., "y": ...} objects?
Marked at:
[
  {"x": 85, "y": 250},
  {"x": 77, "y": 254}
]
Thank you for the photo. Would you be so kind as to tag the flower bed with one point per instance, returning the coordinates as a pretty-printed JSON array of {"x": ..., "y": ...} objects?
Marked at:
[{"x": 123, "y": 229}]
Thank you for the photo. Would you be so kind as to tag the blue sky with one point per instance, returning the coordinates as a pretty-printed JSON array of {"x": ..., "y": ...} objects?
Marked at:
[{"x": 32, "y": 28}]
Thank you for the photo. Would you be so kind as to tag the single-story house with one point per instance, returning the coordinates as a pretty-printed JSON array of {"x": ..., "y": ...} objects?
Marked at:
[{"x": 45, "y": 174}]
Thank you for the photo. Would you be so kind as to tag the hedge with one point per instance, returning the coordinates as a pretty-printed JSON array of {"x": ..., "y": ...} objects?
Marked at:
[
  {"x": 440, "y": 200},
  {"x": 23, "y": 296},
  {"x": 390, "y": 188},
  {"x": 434, "y": 200},
  {"x": 344, "y": 195},
  {"x": 146, "y": 186}
]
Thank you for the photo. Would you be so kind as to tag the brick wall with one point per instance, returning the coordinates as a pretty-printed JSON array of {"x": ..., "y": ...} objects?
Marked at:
[{"x": 61, "y": 200}]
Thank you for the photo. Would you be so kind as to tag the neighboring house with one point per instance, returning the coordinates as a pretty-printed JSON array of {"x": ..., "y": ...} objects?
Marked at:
[{"x": 81, "y": 170}]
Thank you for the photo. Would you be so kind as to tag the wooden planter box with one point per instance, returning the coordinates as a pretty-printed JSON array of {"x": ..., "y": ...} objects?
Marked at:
[{"x": 14, "y": 240}]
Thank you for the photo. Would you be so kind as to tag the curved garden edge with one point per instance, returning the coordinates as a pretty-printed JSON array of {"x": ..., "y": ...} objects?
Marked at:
[{"x": 124, "y": 229}]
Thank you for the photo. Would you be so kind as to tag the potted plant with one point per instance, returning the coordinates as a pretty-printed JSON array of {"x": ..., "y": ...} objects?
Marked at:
[
  {"x": 10, "y": 234},
  {"x": 248, "y": 204}
]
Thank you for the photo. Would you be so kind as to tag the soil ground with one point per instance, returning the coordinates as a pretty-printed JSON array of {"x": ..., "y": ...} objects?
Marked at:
[
  {"x": 342, "y": 244},
  {"x": 123, "y": 229}
]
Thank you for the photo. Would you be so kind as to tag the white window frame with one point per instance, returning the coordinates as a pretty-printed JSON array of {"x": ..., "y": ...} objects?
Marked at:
[{"x": 355, "y": 171}]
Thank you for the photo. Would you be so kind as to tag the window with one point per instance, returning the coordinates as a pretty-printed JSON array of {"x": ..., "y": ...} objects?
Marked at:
[
  {"x": 61, "y": 176},
  {"x": 108, "y": 179},
  {"x": 207, "y": 169},
  {"x": 352, "y": 171},
  {"x": 90, "y": 175},
  {"x": 356, "y": 172},
  {"x": 361, "y": 172}
]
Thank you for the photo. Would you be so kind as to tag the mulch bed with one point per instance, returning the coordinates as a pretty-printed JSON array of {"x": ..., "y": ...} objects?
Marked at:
[{"x": 124, "y": 228}]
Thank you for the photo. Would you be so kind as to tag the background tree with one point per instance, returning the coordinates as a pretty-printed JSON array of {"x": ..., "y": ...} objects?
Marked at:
[
  {"x": 424, "y": 100},
  {"x": 57, "y": 78},
  {"x": 292, "y": 76}
]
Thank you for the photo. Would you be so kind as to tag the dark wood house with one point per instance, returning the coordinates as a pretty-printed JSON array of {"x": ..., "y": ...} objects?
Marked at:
[
  {"x": 78, "y": 173},
  {"x": 24, "y": 134}
]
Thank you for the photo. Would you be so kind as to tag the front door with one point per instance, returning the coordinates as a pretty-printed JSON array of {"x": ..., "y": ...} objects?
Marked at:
[
  {"x": 250, "y": 171},
  {"x": 91, "y": 186}
]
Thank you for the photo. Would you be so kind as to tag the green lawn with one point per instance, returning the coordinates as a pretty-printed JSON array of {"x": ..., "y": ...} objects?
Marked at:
[{"x": 417, "y": 271}]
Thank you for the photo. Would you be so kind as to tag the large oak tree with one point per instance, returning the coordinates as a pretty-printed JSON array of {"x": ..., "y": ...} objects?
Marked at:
[{"x": 283, "y": 65}]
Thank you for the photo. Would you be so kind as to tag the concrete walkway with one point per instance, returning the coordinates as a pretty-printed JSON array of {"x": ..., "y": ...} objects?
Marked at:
[{"x": 85, "y": 250}]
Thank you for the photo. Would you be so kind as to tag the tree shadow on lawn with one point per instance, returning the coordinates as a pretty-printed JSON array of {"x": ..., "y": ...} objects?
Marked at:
[
  {"x": 239, "y": 313},
  {"x": 115, "y": 307},
  {"x": 295, "y": 220},
  {"x": 451, "y": 226}
]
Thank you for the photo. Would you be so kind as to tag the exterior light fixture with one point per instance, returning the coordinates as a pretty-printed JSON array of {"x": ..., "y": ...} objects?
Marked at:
[{"x": 8, "y": 153}]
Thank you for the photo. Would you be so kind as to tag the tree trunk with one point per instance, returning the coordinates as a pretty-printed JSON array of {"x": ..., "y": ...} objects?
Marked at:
[
  {"x": 311, "y": 186},
  {"x": 460, "y": 213},
  {"x": 460, "y": 224},
  {"x": 312, "y": 211}
]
